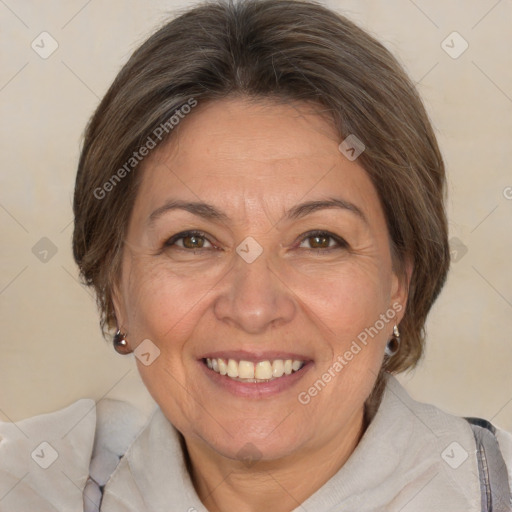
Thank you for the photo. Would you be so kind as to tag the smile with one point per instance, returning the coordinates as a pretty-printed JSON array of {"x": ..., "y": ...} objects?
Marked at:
[{"x": 249, "y": 371}]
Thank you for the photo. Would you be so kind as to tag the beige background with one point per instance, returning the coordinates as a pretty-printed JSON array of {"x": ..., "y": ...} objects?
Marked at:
[{"x": 51, "y": 349}]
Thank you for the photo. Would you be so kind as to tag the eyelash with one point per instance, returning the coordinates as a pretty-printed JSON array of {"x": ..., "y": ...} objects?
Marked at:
[{"x": 341, "y": 243}]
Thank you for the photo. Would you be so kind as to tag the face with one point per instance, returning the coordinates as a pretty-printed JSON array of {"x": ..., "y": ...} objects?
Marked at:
[{"x": 284, "y": 256}]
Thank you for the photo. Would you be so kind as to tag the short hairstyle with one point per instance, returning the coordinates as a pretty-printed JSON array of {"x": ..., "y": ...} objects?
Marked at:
[{"x": 281, "y": 50}]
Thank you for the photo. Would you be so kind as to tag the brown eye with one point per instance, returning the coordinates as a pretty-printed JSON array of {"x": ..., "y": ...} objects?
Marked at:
[
  {"x": 192, "y": 242},
  {"x": 189, "y": 240},
  {"x": 323, "y": 240},
  {"x": 319, "y": 242}
]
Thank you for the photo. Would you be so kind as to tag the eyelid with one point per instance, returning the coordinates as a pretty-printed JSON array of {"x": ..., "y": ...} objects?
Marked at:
[
  {"x": 183, "y": 234},
  {"x": 340, "y": 241}
]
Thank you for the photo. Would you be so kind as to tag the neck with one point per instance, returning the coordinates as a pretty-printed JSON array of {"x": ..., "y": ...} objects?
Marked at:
[{"x": 224, "y": 484}]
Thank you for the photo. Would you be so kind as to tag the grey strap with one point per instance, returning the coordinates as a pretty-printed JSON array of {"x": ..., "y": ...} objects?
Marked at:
[{"x": 494, "y": 484}]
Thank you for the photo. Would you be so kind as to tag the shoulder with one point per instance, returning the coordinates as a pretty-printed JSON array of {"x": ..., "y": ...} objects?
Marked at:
[
  {"x": 478, "y": 447},
  {"x": 505, "y": 443},
  {"x": 46, "y": 461},
  {"x": 45, "y": 458},
  {"x": 118, "y": 425}
]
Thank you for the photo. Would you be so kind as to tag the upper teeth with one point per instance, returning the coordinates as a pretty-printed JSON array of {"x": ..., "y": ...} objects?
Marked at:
[{"x": 261, "y": 370}]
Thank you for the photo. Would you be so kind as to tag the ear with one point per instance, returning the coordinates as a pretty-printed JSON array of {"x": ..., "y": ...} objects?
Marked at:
[
  {"x": 119, "y": 289},
  {"x": 119, "y": 306},
  {"x": 400, "y": 286}
]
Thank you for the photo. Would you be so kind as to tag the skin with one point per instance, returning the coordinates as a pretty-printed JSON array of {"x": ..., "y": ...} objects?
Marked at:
[{"x": 253, "y": 160}]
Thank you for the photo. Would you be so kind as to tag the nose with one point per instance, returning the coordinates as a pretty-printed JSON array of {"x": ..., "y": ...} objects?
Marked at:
[{"x": 254, "y": 297}]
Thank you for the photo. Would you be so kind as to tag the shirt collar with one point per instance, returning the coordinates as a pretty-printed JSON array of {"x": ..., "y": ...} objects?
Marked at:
[{"x": 401, "y": 463}]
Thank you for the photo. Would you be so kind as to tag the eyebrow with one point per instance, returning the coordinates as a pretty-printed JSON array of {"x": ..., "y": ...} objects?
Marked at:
[{"x": 210, "y": 212}]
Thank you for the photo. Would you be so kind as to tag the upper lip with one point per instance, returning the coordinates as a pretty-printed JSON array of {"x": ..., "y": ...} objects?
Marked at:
[{"x": 254, "y": 355}]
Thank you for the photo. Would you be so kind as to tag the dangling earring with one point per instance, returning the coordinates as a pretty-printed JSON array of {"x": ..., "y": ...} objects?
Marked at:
[
  {"x": 120, "y": 343},
  {"x": 394, "y": 343}
]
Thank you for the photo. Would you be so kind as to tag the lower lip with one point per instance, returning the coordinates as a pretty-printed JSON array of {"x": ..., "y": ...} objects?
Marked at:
[{"x": 255, "y": 389}]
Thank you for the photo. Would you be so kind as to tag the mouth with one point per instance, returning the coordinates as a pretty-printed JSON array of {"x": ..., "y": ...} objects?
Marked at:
[
  {"x": 256, "y": 371},
  {"x": 254, "y": 374}
]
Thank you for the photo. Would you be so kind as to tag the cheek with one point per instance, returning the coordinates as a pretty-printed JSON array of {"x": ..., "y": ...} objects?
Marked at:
[
  {"x": 347, "y": 299},
  {"x": 165, "y": 303},
  {"x": 165, "y": 307},
  {"x": 349, "y": 307},
  {"x": 162, "y": 302}
]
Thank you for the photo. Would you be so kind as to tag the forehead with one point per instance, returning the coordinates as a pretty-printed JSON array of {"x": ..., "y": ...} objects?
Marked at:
[
  {"x": 243, "y": 153},
  {"x": 239, "y": 127}
]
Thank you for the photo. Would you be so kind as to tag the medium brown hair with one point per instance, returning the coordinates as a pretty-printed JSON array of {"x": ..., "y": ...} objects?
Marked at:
[{"x": 284, "y": 50}]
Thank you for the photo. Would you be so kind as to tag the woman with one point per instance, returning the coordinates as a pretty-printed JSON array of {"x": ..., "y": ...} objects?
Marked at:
[{"x": 259, "y": 206}]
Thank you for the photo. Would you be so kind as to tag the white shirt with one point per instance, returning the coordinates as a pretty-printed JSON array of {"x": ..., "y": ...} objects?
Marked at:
[{"x": 412, "y": 457}]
